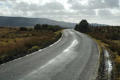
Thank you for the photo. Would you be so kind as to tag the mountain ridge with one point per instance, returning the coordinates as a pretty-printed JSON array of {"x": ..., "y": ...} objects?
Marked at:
[{"x": 26, "y": 21}]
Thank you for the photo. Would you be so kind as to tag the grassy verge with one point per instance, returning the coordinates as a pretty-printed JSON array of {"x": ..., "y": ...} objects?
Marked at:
[
  {"x": 113, "y": 46},
  {"x": 15, "y": 42}
]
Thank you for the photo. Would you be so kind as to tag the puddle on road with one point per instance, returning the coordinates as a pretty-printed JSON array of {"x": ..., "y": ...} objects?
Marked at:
[{"x": 108, "y": 64}]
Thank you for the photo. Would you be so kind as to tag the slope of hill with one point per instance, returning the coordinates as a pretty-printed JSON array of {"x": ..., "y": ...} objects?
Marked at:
[
  {"x": 96, "y": 24},
  {"x": 23, "y": 21}
]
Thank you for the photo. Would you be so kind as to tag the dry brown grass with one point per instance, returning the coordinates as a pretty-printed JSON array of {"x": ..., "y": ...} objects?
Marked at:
[
  {"x": 105, "y": 40},
  {"x": 15, "y": 43}
]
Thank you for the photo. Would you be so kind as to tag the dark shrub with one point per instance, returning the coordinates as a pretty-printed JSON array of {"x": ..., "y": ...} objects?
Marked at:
[{"x": 23, "y": 29}]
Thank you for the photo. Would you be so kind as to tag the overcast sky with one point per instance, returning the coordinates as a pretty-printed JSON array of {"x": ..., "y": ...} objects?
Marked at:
[{"x": 95, "y": 11}]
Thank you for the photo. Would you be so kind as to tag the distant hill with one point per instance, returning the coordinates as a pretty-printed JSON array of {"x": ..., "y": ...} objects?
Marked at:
[
  {"x": 96, "y": 24},
  {"x": 23, "y": 21}
]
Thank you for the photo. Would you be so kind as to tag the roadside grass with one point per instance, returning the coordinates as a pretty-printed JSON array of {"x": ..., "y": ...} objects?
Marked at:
[
  {"x": 15, "y": 43},
  {"x": 99, "y": 42},
  {"x": 113, "y": 46}
]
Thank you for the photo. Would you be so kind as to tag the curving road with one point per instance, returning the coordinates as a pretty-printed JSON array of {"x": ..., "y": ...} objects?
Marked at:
[{"x": 74, "y": 56}]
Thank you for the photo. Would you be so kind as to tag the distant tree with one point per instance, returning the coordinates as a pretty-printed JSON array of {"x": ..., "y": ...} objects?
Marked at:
[
  {"x": 37, "y": 27},
  {"x": 83, "y": 26},
  {"x": 77, "y": 27},
  {"x": 45, "y": 26},
  {"x": 23, "y": 29},
  {"x": 55, "y": 28}
]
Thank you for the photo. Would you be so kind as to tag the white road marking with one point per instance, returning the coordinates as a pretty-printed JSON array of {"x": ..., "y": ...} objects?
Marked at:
[
  {"x": 74, "y": 43},
  {"x": 56, "y": 64}
]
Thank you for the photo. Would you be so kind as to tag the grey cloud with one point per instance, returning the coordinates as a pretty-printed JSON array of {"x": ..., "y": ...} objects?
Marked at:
[
  {"x": 34, "y": 7},
  {"x": 102, "y": 4},
  {"x": 105, "y": 13},
  {"x": 54, "y": 6},
  {"x": 56, "y": 10},
  {"x": 94, "y": 4},
  {"x": 64, "y": 13},
  {"x": 87, "y": 12},
  {"x": 55, "y": 13},
  {"x": 105, "y": 16},
  {"x": 112, "y": 3},
  {"x": 25, "y": 9},
  {"x": 81, "y": 9},
  {"x": 75, "y": 5}
]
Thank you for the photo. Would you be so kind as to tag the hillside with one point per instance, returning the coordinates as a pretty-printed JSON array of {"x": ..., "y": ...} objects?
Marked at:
[
  {"x": 96, "y": 24},
  {"x": 23, "y": 21}
]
